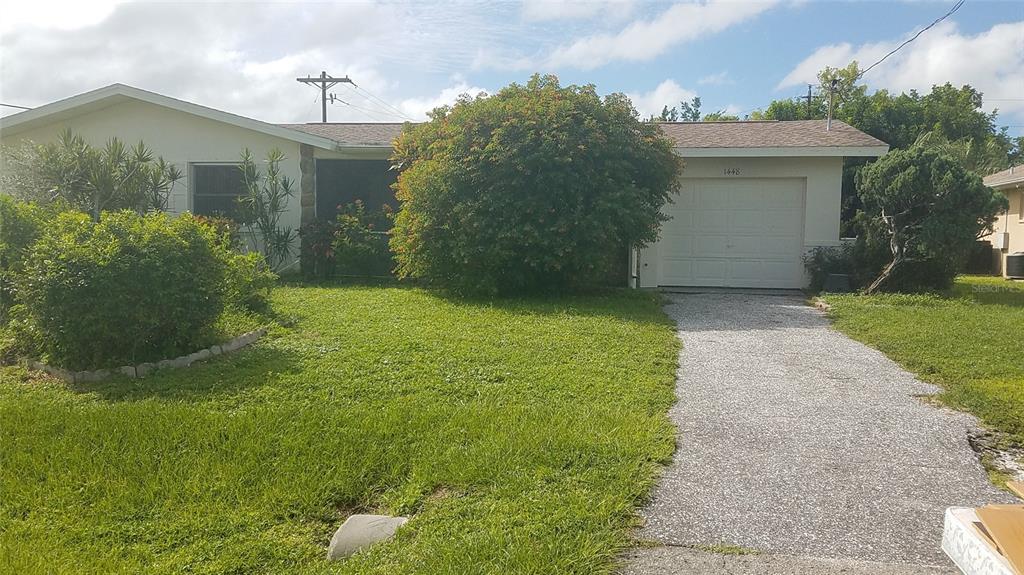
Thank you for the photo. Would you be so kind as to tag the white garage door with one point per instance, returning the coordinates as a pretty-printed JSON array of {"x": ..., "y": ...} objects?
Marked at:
[{"x": 735, "y": 232}]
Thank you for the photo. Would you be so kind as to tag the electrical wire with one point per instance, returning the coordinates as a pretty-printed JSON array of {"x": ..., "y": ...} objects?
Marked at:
[
  {"x": 368, "y": 95},
  {"x": 373, "y": 114},
  {"x": 14, "y": 106},
  {"x": 912, "y": 38}
]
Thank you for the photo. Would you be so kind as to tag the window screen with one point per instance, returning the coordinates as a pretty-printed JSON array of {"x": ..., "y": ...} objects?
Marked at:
[
  {"x": 341, "y": 182},
  {"x": 216, "y": 189}
]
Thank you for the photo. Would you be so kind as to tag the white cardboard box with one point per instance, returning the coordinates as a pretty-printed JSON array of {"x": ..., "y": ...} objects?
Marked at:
[{"x": 968, "y": 548}]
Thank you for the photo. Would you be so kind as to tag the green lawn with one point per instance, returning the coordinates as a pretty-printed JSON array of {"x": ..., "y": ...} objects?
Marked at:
[
  {"x": 970, "y": 342},
  {"x": 520, "y": 435}
]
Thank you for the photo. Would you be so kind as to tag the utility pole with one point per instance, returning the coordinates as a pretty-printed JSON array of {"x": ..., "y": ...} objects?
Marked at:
[
  {"x": 809, "y": 113},
  {"x": 831, "y": 92},
  {"x": 325, "y": 82}
]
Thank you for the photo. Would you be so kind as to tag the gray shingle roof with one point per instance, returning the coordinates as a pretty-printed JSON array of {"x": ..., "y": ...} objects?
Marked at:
[
  {"x": 794, "y": 134},
  {"x": 353, "y": 133},
  {"x": 1011, "y": 175}
]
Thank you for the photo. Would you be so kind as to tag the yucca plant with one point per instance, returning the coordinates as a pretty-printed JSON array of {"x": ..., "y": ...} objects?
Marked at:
[{"x": 266, "y": 199}]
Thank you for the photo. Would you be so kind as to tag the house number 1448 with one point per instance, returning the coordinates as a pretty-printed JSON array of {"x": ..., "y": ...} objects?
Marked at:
[{"x": 731, "y": 171}]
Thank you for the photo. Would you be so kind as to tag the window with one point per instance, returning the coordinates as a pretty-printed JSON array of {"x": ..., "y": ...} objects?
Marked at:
[
  {"x": 216, "y": 189},
  {"x": 1020, "y": 207}
]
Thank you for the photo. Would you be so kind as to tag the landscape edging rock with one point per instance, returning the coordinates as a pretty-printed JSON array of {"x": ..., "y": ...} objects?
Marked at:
[{"x": 144, "y": 369}]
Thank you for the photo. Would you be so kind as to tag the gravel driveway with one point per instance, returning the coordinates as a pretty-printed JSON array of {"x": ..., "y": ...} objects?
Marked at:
[{"x": 800, "y": 442}]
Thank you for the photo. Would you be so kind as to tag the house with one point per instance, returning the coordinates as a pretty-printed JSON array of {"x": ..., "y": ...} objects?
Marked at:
[
  {"x": 1008, "y": 232},
  {"x": 756, "y": 196}
]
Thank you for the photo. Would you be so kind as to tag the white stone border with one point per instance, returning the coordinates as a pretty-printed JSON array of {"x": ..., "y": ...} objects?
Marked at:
[{"x": 144, "y": 369}]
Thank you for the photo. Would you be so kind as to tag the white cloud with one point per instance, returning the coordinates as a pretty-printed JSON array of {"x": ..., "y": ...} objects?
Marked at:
[
  {"x": 720, "y": 79},
  {"x": 647, "y": 39},
  {"x": 542, "y": 10},
  {"x": 990, "y": 61},
  {"x": 488, "y": 58},
  {"x": 667, "y": 93},
  {"x": 239, "y": 57},
  {"x": 733, "y": 110},
  {"x": 417, "y": 108},
  {"x": 54, "y": 15}
]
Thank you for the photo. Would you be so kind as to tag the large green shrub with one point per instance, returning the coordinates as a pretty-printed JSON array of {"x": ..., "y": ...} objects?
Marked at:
[
  {"x": 127, "y": 289},
  {"x": 20, "y": 226},
  {"x": 529, "y": 189}
]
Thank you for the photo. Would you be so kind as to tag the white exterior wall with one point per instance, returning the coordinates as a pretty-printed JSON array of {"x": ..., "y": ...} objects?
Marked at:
[
  {"x": 822, "y": 204},
  {"x": 181, "y": 138}
]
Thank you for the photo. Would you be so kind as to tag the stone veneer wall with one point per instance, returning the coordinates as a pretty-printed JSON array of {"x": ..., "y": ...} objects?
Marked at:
[{"x": 307, "y": 184}]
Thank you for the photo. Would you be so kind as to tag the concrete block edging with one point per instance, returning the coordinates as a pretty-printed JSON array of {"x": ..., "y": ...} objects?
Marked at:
[{"x": 144, "y": 369}]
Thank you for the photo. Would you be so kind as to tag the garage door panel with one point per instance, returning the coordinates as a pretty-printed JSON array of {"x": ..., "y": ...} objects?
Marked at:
[
  {"x": 735, "y": 232},
  {"x": 711, "y": 221},
  {"x": 711, "y": 246},
  {"x": 778, "y": 247},
  {"x": 786, "y": 221},
  {"x": 743, "y": 196},
  {"x": 680, "y": 224},
  {"x": 679, "y": 247},
  {"x": 710, "y": 271},
  {"x": 747, "y": 221},
  {"x": 678, "y": 268},
  {"x": 684, "y": 199},
  {"x": 744, "y": 246}
]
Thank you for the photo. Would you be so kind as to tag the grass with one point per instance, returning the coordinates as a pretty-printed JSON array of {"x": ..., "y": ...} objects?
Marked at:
[
  {"x": 519, "y": 435},
  {"x": 970, "y": 342}
]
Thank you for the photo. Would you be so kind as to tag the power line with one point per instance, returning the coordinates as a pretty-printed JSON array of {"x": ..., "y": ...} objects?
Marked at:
[
  {"x": 374, "y": 114},
  {"x": 382, "y": 102},
  {"x": 914, "y": 37},
  {"x": 18, "y": 107}
]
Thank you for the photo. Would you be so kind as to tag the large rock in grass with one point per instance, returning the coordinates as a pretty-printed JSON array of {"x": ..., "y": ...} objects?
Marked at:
[{"x": 359, "y": 531}]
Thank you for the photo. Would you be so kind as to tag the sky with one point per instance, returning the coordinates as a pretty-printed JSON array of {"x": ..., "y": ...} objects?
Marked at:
[{"x": 407, "y": 58}]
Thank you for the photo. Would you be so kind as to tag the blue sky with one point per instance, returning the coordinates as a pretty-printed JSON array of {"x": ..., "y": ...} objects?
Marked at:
[{"x": 738, "y": 56}]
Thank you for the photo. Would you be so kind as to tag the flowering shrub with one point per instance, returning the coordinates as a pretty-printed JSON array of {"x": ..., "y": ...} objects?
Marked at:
[{"x": 354, "y": 244}]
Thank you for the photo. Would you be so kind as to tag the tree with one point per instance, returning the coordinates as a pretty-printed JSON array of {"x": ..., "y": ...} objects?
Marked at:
[
  {"x": 266, "y": 199},
  {"x": 538, "y": 187},
  {"x": 947, "y": 116},
  {"x": 928, "y": 205},
  {"x": 88, "y": 179},
  {"x": 720, "y": 116},
  {"x": 690, "y": 111},
  {"x": 684, "y": 112}
]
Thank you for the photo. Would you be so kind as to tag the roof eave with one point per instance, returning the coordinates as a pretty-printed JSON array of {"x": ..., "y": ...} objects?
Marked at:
[
  {"x": 784, "y": 151},
  {"x": 28, "y": 118},
  {"x": 1013, "y": 182}
]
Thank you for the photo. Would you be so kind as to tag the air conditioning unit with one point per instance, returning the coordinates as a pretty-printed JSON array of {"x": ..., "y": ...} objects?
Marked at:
[{"x": 1000, "y": 240}]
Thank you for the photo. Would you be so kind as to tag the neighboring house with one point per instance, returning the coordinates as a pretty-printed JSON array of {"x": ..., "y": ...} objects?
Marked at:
[
  {"x": 756, "y": 196},
  {"x": 1008, "y": 233}
]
